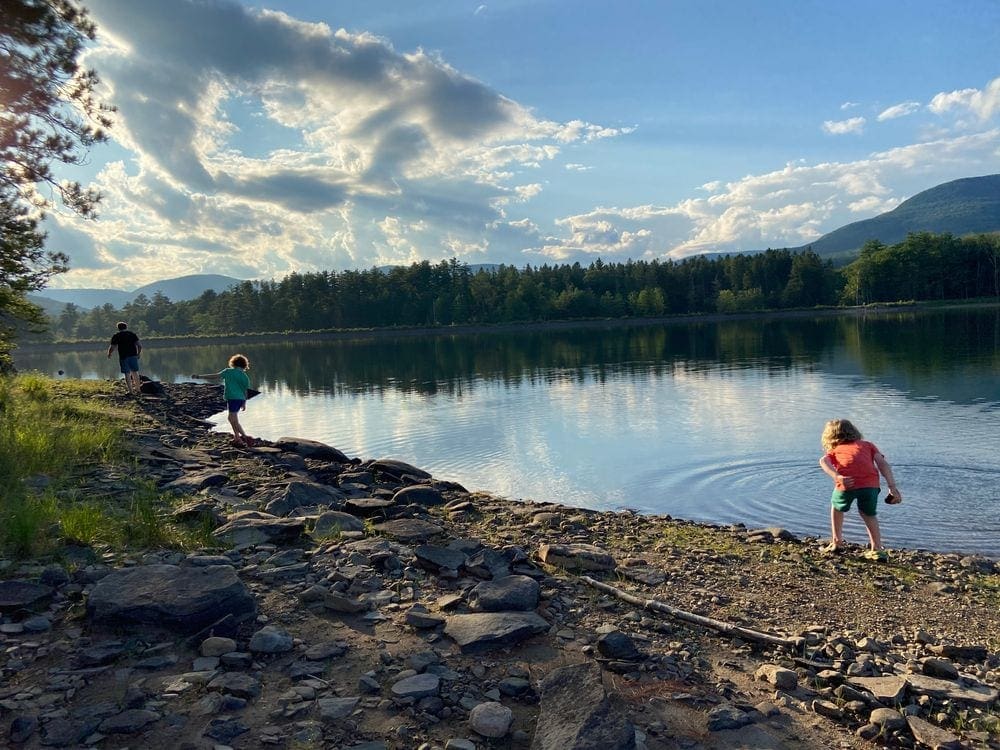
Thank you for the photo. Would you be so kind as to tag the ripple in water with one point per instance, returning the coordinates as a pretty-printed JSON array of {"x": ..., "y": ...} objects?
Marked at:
[{"x": 796, "y": 495}]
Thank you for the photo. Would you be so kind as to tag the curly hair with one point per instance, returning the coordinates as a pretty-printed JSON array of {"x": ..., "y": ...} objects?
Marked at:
[
  {"x": 839, "y": 431},
  {"x": 239, "y": 360}
]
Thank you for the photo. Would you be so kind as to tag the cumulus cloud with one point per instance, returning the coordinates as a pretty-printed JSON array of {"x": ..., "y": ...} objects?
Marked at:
[
  {"x": 788, "y": 207},
  {"x": 367, "y": 131},
  {"x": 840, "y": 127},
  {"x": 898, "y": 110},
  {"x": 984, "y": 103}
]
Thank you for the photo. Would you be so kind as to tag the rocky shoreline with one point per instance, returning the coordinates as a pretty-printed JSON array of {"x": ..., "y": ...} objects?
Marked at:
[{"x": 365, "y": 604}]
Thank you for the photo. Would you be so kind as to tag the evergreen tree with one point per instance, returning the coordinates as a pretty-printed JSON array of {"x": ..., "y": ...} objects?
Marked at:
[{"x": 50, "y": 114}]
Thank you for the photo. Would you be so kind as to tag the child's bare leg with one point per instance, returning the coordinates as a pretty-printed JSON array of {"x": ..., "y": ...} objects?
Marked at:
[
  {"x": 874, "y": 533},
  {"x": 234, "y": 422},
  {"x": 837, "y": 525}
]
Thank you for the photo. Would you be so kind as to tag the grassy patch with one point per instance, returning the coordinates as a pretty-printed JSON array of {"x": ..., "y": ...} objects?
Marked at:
[
  {"x": 701, "y": 539},
  {"x": 51, "y": 434}
]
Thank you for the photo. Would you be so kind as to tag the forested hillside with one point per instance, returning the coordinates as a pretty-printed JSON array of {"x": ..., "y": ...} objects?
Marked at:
[{"x": 922, "y": 267}]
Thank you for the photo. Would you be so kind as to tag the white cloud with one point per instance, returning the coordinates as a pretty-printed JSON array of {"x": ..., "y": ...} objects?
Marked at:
[
  {"x": 849, "y": 105},
  {"x": 367, "y": 131},
  {"x": 898, "y": 110},
  {"x": 840, "y": 127},
  {"x": 983, "y": 104}
]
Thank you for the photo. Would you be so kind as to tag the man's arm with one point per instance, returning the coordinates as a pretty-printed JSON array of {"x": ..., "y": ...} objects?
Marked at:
[{"x": 111, "y": 350}]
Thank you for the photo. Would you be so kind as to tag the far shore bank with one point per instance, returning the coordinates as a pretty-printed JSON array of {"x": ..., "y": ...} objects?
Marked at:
[{"x": 537, "y": 326}]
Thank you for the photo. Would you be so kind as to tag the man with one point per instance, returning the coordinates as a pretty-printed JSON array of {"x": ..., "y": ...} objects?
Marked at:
[{"x": 129, "y": 348}]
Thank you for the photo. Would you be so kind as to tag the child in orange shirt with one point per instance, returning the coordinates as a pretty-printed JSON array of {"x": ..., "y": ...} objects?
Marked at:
[{"x": 854, "y": 465}]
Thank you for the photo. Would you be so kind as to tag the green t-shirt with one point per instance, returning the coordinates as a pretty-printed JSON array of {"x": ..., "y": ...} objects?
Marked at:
[{"x": 237, "y": 382}]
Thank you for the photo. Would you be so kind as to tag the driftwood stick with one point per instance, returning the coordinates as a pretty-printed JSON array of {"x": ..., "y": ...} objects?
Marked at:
[{"x": 728, "y": 628}]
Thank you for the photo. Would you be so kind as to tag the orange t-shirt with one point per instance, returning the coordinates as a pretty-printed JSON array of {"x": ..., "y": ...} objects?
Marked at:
[{"x": 856, "y": 460}]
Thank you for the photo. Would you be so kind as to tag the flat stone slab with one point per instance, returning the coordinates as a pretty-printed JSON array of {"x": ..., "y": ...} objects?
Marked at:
[
  {"x": 251, "y": 527},
  {"x": 311, "y": 449},
  {"x": 283, "y": 499},
  {"x": 17, "y": 594},
  {"x": 417, "y": 686},
  {"x": 397, "y": 469},
  {"x": 334, "y": 709},
  {"x": 575, "y": 713},
  {"x": 409, "y": 529},
  {"x": 929, "y": 735},
  {"x": 367, "y": 507},
  {"x": 510, "y": 593},
  {"x": 888, "y": 690},
  {"x": 576, "y": 556},
  {"x": 434, "y": 557},
  {"x": 977, "y": 695},
  {"x": 198, "y": 480},
  {"x": 492, "y": 629},
  {"x": 181, "y": 599}
]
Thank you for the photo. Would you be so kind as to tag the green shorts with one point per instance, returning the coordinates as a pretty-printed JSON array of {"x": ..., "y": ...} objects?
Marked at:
[{"x": 867, "y": 498}]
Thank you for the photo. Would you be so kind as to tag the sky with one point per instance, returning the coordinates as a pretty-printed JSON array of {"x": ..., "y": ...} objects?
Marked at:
[{"x": 259, "y": 139}]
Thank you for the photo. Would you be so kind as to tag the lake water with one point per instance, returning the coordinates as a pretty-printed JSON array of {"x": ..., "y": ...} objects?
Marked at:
[{"x": 708, "y": 421}]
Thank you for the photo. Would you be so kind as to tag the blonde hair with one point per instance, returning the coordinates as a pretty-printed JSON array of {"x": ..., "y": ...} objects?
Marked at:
[
  {"x": 239, "y": 360},
  {"x": 839, "y": 431}
]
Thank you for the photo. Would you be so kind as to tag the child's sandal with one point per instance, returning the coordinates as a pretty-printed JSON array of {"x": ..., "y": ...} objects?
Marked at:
[{"x": 833, "y": 548}]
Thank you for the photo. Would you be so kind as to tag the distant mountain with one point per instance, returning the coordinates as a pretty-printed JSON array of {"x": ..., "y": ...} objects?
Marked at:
[
  {"x": 967, "y": 206},
  {"x": 177, "y": 290}
]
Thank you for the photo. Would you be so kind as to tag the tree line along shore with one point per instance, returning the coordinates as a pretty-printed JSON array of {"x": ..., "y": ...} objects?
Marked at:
[{"x": 924, "y": 268}]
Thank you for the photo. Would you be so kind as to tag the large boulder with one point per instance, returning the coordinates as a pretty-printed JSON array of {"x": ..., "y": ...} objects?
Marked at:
[
  {"x": 486, "y": 630},
  {"x": 511, "y": 593},
  {"x": 312, "y": 449},
  {"x": 284, "y": 498},
  {"x": 180, "y": 599},
  {"x": 397, "y": 469}
]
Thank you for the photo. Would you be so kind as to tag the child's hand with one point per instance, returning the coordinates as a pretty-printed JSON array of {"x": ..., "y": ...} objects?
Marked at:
[
  {"x": 848, "y": 482},
  {"x": 894, "y": 497}
]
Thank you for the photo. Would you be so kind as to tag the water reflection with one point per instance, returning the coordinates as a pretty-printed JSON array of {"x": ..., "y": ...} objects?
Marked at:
[{"x": 951, "y": 355}]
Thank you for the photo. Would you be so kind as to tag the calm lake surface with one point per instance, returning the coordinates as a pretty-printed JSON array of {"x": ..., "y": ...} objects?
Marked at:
[{"x": 708, "y": 421}]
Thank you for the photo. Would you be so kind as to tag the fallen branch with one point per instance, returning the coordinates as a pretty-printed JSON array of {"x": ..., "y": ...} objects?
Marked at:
[{"x": 747, "y": 634}]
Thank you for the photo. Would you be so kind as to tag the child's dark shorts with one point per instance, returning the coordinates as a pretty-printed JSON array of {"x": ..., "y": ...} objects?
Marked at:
[
  {"x": 235, "y": 404},
  {"x": 867, "y": 498}
]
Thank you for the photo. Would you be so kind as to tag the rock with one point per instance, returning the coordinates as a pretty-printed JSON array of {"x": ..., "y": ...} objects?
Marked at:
[
  {"x": 962, "y": 653},
  {"x": 929, "y": 735},
  {"x": 177, "y": 598},
  {"x": 338, "y": 602},
  {"x": 271, "y": 639},
  {"x": 397, "y": 469},
  {"x": 335, "y": 709},
  {"x": 417, "y": 686},
  {"x": 54, "y": 576},
  {"x": 511, "y": 593},
  {"x": 311, "y": 449},
  {"x": 333, "y": 521},
  {"x": 491, "y": 629},
  {"x": 216, "y": 646},
  {"x": 828, "y": 709},
  {"x": 888, "y": 690},
  {"x": 575, "y": 713},
  {"x": 226, "y": 730},
  {"x": 99, "y": 654},
  {"x": 724, "y": 718},
  {"x": 617, "y": 645},
  {"x": 368, "y": 507},
  {"x": 576, "y": 557},
  {"x": 18, "y": 594},
  {"x": 888, "y": 718},
  {"x": 22, "y": 728},
  {"x": 942, "y": 668},
  {"x": 417, "y": 616},
  {"x": 783, "y": 679},
  {"x": 491, "y": 719},
  {"x": 282, "y": 500},
  {"x": 252, "y": 527},
  {"x": 420, "y": 494},
  {"x": 409, "y": 529},
  {"x": 198, "y": 480},
  {"x": 240, "y": 684},
  {"x": 434, "y": 557},
  {"x": 66, "y": 732},
  {"x": 128, "y": 722},
  {"x": 979, "y": 564},
  {"x": 977, "y": 695},
  {"x": 327, "y": 650}
]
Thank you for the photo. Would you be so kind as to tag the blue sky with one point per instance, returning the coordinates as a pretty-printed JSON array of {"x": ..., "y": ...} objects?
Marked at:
[{"x": 255, "y": 140}]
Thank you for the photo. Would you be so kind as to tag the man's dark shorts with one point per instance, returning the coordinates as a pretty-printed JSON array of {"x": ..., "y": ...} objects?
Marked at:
[
  {"x": 867, "y": 498},
  {"x": 235, "y": 404},
  {"x": 129, "y": 364}
]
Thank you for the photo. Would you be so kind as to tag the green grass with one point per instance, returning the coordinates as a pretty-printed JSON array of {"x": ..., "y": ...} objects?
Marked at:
[{"x": 52, "y": 433}]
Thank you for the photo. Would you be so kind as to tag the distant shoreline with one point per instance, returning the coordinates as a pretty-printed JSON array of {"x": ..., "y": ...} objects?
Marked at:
[{"x": 361, "y": 334}]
